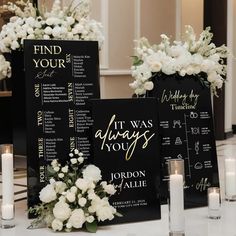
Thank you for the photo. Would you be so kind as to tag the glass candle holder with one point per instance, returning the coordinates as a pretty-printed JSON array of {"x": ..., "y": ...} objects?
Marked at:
[
  {"x": 214, "y": 203},
  {"x": 230, "y": 179},
  {"x": 7, "y": 207},
  {"x": 176, "y": 197}
]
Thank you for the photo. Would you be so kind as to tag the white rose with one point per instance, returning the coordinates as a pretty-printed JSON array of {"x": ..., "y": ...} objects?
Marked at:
[
  {"x": 207, "y": 65},
  {"x": 61, "y": 211},
  {"x": 60, "y": 186},
  {"x": 73, "y": 161},
  {"x": 46, "y": 37},
  {"x": 48, "y": 30},
  {"x": 76, "y": 151},
  {"x": 54, "y": 163},
  {"x": 77, "y": 218},
  {"x": 64, "y": 169},
  {"x": 73, "y": 189},
  {"x": 15, "y": 45},
  {"x": 47, "y": 194},
  {"x": 57, "y": 168},
  {"x": 212, "y": 77},
  {"x": 110, "y": 189},
  {"x": 219, "y": 82},
  {"x": 92, "y": 173},
  {"x": 61, "y": 175},
  {"x": 69, "y": 226},
  {"x": 71, "y": 155},
  {"x": 154, "y": 63},
  {"x": 52, "y": 181},
  {"x": 189, "y": 70},
  {"x": 57, "y": 225},
  {"x": 148, "y": 85},
  {"x": 81, "y": 154},
  {"x": 56, "y": 31},
  {"x": 140, "y": 91},
  {"x": 182, "y": 72},
  {"x": 82, "y": 201},
  {"x": 90, "y": 219},
  {"x": 80, "y": 160},
  {"x": 82, "y": 184},
  {"x": 70, "y": 196}
]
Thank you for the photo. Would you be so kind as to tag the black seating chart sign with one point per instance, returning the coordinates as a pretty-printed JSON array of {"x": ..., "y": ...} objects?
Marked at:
[
  {"x": 186, "y": 128},
  {"x": 125, "y": 141},
  {"x": 60, "y": 78}
]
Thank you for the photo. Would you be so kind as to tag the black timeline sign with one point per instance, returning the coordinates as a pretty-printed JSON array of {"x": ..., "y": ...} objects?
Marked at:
[
  {"x": 186, "y": 127},
  {"x": 60, "y": 78}
]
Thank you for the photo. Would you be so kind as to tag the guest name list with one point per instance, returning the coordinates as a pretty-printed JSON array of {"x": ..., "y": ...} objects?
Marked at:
[{"x": 60, "y": 78}]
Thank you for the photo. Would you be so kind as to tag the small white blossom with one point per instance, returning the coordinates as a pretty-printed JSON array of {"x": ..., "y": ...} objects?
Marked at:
[
  {"x": 64, "y": 169},
  {"x": 61, "y": 175},
  {"x": 70, "y": 196},
  {"x": 82, "y": 201},
  {"x": 73, "y": 161},
  {"x": 90, "y": 219}
]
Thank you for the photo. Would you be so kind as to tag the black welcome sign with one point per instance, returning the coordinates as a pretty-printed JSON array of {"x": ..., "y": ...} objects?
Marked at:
[
  {"x": 187, "y": 132},
  {"x": 125, "y": 141},
  {"x": 61, "y": 76}
]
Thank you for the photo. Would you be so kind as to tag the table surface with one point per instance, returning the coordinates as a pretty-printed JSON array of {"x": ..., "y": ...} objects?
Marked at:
[{"x": 196, "y": 224}]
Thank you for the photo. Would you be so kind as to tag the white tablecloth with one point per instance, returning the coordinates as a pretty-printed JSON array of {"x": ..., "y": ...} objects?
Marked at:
[{"x": 197, "y": 224}]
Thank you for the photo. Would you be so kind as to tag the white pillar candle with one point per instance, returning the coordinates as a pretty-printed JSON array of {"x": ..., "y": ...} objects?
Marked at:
[
  {"x": 230, "y": 183},
  {"x": 230, "y": 165},
  {"x": 7, "y": 185},
  {"x": 176, "y": 203},
  {"x": 214, "y": 200},
  {"x": 7, "y": 211}
]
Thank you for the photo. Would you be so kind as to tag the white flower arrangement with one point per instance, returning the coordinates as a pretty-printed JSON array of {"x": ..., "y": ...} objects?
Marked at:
[
  {"x": 65, "y": 23},
  {"x": 75, "y": 197},
  {"x": 198, "y": 57},
  {"x": 5, "y": 68}
]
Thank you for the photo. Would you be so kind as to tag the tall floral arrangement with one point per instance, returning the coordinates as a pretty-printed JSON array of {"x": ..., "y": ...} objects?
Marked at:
[
  {"x": 71, "y": 22},
  {"x": 75, "y": 197},
  {"x": 191, "y": 56}
]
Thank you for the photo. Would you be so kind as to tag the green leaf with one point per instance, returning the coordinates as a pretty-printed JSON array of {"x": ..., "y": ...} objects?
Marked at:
[
  {"x": 118, "y": 214},
  {"x": 137, "y": 61},
  {"x": 91, "y": 227}
]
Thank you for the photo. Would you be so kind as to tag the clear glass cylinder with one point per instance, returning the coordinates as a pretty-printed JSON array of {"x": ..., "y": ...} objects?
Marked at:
[
  {"x": 214, "y": 203},
  {"x": 176, "y": 197},
  {"x": 230, "y": 179},
  {"x": 7, "y": 206}
]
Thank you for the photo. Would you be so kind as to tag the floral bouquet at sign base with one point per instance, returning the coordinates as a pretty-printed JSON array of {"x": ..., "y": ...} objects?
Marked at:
[
  {"x": 74, "y": 198},
  {"x": 191, "y": 56},
  {"x": 71, "y": 22}
]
